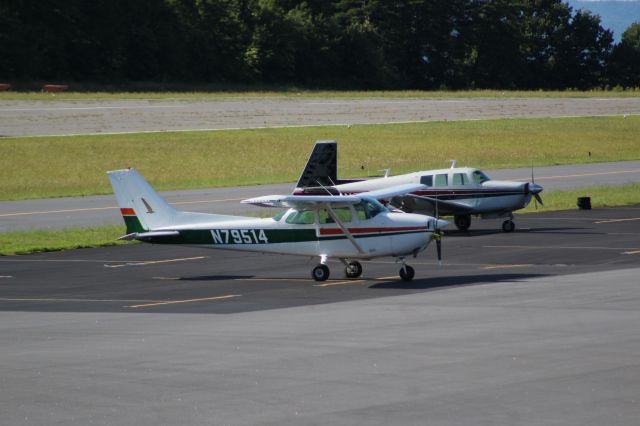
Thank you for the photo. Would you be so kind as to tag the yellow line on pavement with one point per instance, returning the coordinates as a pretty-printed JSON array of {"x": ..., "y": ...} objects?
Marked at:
[
  {"x": 172, "y": 302},
  {"x": 617, "y": 220},
  {"x": 332, "y": 283},
  {"x": 154, "y": 262},
  {"x": 583, "y": 175},
  {"x": 90, "y": 209},
  {"x": 507, "y": 266}
]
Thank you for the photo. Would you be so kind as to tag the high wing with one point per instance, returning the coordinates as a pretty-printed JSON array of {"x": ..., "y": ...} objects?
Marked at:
[
  {"x": 422, "y": 203},
  {"x": 297, "y": 201}
]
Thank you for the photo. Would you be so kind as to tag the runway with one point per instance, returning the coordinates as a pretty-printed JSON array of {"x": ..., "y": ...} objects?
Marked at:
[
  {"x": 52, "y": 117},
  {"x": 57, "y": 213},
  {"x": 534, "y": 327}
]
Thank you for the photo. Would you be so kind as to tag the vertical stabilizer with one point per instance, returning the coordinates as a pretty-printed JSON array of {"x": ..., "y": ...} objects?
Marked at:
[
  {"x": 142, "y": 208},
  {"x": 322, "y": 166}
]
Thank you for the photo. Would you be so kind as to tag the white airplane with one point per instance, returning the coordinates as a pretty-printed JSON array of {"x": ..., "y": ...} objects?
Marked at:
[
  {"x": 457, "y": 191},
  {"x": 324, "y": 226}
]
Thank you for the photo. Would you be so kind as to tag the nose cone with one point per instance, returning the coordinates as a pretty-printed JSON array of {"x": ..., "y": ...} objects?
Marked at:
[
  {"x": 441, "y": 223},
  {"x": 535, "y": 188}
]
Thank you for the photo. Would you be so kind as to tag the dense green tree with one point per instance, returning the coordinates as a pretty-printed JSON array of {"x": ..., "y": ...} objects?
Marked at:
[{"x": 625, "y": 61}]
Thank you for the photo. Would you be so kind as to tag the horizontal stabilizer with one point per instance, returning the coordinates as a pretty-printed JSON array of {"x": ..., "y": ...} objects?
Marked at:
[{"x": 142, "y": 235}]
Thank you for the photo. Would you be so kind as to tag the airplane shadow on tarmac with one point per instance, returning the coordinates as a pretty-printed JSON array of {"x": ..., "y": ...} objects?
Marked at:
[{"x": 454, "y": 281}]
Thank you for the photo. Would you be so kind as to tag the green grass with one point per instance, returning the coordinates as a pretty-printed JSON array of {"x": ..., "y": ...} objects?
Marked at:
[
  {"x": 601, "y": 196},
  {"x": 23, "y": 242},
  {"x": 40, "y": 167},
  {"x": 305, "y": 93}
]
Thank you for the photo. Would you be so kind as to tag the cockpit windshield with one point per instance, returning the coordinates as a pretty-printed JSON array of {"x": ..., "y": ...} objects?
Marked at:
[
  {"x": 480, "y": 177},
  {"x": 369, "y": 208}
]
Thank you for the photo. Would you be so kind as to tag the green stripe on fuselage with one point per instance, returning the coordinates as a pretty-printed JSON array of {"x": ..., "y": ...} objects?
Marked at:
[{"x": 273, "y": 236}]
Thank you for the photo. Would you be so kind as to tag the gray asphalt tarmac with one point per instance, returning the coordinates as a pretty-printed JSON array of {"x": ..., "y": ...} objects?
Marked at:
[
  {"x": 532, "y": 328},
  {"x": 60, "y": 213},
  {"x": 29, "y": 118}
]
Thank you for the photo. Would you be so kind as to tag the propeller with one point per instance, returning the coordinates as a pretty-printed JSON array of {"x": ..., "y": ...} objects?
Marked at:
[
  {"x": 438, "y": 234},
  {"x": 535, "y": 190}
]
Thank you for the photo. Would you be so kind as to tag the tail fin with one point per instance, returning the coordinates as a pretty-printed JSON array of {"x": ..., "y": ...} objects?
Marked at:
[
  {"x": 142, "y": 208},
  {"x": 322, "y": 166}
]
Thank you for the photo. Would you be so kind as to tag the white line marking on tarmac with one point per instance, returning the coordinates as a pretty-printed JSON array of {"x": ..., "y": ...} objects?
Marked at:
[
  {"x": 172, "y": 302},
  {"x": 631, "y": 252},
  {"x": 154, "y": 262},
  {"x": 38, "y": 299},
  {"x": 6, "y": 276}
]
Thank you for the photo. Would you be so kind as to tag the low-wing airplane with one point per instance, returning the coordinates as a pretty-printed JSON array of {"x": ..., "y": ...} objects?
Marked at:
[
  {"x": 324, "y": 226},
  {"x": 457, "y": 191}
]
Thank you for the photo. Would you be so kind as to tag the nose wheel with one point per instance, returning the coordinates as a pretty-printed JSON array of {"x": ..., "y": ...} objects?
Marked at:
[
  {"x": 353, "y": 269},
  {"x": 407, "y": 273},
  {"x": 508, "y": 226}
]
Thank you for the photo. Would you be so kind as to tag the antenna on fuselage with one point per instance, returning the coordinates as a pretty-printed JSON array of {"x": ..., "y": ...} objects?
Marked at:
[
  {"x": 453, "y": 163},
  {"x": 327, "y": 189}
]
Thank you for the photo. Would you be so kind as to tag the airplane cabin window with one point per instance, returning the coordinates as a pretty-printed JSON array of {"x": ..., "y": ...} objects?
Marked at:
[
  {"x": 279, "y": 216},
  {"x": 442, "y": 180},
  {"x": 427, "y": 180},
  {"x": 301, "y": 217},
  {"x": 368, "y": 209},
  {"x": 343, "y": 213},
  {"x": 480, "y": 177},
  {"x": 460, "y": 179}
]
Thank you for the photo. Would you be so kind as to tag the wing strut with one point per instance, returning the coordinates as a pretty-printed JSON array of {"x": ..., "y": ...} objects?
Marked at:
[{"x": 343, "y": 229}]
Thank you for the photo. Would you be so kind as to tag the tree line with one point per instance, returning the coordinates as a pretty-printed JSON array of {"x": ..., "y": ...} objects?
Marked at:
[{"x": 361, "y": 44}]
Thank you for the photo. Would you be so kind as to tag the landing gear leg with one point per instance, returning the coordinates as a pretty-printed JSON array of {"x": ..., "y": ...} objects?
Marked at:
[
  {"x": 353, "y": 269},
  {"x": 463, "y": 222},
  {"x": 406, "y": 272}
]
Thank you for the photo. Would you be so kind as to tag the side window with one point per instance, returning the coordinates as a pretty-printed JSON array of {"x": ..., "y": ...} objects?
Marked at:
[
  {"x": 460, "y": 179},
  {"x": 301, "y": 217},
  {"x": 343, "y": 213},
  {"x": 427, "y": 180},
  {"x": 442, "y": 180}
]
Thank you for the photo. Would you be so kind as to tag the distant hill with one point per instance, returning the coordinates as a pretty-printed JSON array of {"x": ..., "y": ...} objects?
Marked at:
[{"x": 615, "y": 15}]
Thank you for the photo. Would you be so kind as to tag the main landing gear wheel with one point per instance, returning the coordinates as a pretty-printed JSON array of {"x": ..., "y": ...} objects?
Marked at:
[
  {"x": 320, "y": 273},
  {"x": 508, "y": 226},
  {"x": 462, "y": 222},
  {"x": 407, "y": 273},
  {"x": 353, "y": 270}
]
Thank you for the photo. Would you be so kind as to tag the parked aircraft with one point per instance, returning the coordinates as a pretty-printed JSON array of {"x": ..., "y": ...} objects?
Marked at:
[
  {"x": 324, "y": 226},
  {"x": 457, "y": 191}
]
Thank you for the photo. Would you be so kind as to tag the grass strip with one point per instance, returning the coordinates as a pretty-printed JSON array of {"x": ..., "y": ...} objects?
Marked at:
[
  {"x": 23, "y": 242},
  {"x": 42, "y": 167},
  {"x": 309, "y": 94}
]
